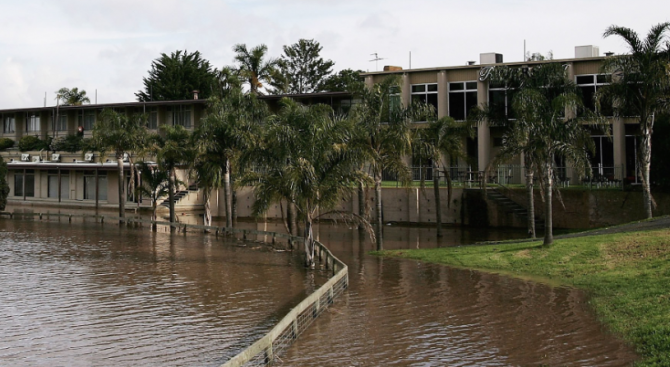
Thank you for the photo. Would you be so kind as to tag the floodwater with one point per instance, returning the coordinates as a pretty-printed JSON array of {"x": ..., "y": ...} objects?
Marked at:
[{"x": 105, "y": 295}]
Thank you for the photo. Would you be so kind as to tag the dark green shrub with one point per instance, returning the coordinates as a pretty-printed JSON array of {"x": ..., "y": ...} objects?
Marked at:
[
  {"x": 6, "y": 143},
  {"x": 30, "y": 142},
  {"x": 70, "y": 144}
]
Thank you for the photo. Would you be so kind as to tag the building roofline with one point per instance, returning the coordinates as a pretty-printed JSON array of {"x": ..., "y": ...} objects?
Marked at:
[
  {"x": 478, "y": 66},
  {"x": 163, "y": 103}
]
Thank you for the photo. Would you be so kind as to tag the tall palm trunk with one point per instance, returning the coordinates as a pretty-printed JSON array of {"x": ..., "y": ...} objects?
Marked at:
[
  {"x": 548, "y": 188},
  {"x": 154, "y": 204},
  {"x": 122, "y": 188},
  {"x": 361, "y": 204},
  {"x": 227, "y": 196},
  {"x": 309, "y": 242},
  {"x": 531, "y": 205},
  {"x": 645, "y": 168},
  {"x": 208, "y": 210},
  {"x": 378, "y": 208},
  {"x": 233, "y": 210},
  {"x": 171, "y": 188},
  {"x": 292, "y": 214},
  {"x": 438, "y": 202}
]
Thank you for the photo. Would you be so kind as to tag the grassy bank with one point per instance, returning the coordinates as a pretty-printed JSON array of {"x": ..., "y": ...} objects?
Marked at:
[{"x": 627, "y": 276}]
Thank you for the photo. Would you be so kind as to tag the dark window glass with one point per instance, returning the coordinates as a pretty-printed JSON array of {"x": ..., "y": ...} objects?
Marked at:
[
  {"x": 497, "y": 103},
  {"x": 471, "y": 85},
  {"x": 588, "y": 95},
  {"x": 470, "y": 101},
  {"x": 418, "y": 88},
  {"x": 30, "y": 185},
  {"x": 418, "y": 98},
  {"x": 457, "y": 106},
  {"x": 602, "y": 79},
  {"x": 585, "y": 79},
  {"x": 455, "y": 86},
  {"x": 18, "y": 184},
  {"x": 432, "y": 87},
  {"x": 431, "y": 99}
]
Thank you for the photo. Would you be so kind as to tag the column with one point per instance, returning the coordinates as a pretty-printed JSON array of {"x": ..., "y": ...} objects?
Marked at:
[
  {"x": 442, "y": 94},
  {"x": 483, "y": 130},
  {"x": 619, "y": 142},
  {"x": 406, "y": 88},
  {"x": 369, "y": 81}
]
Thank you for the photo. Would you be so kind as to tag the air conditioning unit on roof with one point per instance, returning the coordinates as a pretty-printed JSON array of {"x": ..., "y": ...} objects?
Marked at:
[
  {"x": 126, "y": 157},
  {"x": 88, "y": 157},
  {"x": 25, "y": 157},
  {"x": 55, "y": 157},
  {"x": 36, "y": 159}
]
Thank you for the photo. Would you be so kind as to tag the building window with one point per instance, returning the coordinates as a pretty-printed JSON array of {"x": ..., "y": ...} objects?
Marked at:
[
  {"x": 89, "y": 185},
  {"x": 61, "y": 122},
  {"x": 603, "y": 159},
  {"x": 33, "y": 123},
  {"x": 53, "y": 184},
  {"x": 153, "y": 118},
  {"x": 500, "y": 101},
  {"x": 589, "y": 85},
  {"x": 425, "y": 93},
  {"x": 181, "y": 115},
  {"x": 87, "y": 119},
  {"x": 29, "y": 179},
  {"x": 8, "y": 125},
  {"x": 462, "y": 98}
]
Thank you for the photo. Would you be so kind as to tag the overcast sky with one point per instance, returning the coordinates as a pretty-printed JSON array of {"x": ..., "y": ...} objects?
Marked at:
[{"x": 108, "y": 46}]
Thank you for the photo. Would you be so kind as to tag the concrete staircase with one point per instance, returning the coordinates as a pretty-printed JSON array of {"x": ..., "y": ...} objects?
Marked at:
[
  {"x": 178, "y": 196},
  {"x": 510, "y": 206}
]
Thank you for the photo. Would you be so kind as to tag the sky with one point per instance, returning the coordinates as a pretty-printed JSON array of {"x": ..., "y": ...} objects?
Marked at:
[{"x": 106, "y": 46}]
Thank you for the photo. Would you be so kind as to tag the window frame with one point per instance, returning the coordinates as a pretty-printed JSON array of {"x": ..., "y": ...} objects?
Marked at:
[{"x": 465, "y": 91}]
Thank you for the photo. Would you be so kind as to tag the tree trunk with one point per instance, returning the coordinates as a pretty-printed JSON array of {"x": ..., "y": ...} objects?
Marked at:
[
  {"x": 208, "y": 210},
  {"x": 292, "y": 218},
  {"x": 227, "y": 196},
  {"x": 171, "y": 188},
  {"x": 233, "y": 210},
  {"x": 378, "y": 208},
  {"x": 122, "y": 187},
  {"x": 548, "y": 187},
  {"x": 438, "y": 202},
  {"x": 154, "y": 227},
  {"x": 309, "y": 243},
  {"x": 361, "y": 204},
  {"x": 645, "y": 168},
  {"x": 531, "y": 206}
]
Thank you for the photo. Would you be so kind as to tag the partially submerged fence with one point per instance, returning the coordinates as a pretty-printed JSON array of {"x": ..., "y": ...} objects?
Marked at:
[{"x": 265, "y": 350}]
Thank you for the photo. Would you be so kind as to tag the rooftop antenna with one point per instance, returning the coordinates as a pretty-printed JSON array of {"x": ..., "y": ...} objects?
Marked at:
[{"x": 376, "y": 59}]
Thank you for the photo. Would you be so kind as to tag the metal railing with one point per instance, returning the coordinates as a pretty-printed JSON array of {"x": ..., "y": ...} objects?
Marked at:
[
  {"x": 264, "y": 351},
  {"x": 464, "y": 176}
]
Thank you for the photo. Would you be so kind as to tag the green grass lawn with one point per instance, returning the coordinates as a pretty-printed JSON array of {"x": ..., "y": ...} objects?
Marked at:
[{"x": 627, "y": 276}]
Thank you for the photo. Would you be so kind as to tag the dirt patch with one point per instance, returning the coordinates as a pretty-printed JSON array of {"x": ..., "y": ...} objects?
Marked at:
[{"x": 523, "y": 254}]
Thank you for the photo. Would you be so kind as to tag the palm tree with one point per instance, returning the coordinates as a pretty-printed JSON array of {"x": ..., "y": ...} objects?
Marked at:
[
  {"x": 120, "y": 134},
  {"x": 172, "y": 150},
  {"x": 71, "y": 97},
  {"x": 640, "y": 87},
  {"x": 384, "y": 138},
  {"x": 155, "y": 184},
  {"x": 231, "y": 123},
  {"x": 305, "y": 159},
  {"x": 545, "y": 127},
  {"x": 442, "y": 137},
  {"x": 253, "y": 68}
]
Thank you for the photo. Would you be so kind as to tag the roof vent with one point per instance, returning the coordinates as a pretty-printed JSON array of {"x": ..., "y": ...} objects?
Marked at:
[
  {"x": 195, "y": 94},
  {"x": 609, "y": 53},
  {"x": 586, "y": 51},
  {"x": 490, "y": 58},
  {"x": 471, "y": 62}
]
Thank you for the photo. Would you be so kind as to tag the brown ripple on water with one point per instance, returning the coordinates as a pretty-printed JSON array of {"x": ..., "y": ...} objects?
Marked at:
[{"x": 81, "y": 295}]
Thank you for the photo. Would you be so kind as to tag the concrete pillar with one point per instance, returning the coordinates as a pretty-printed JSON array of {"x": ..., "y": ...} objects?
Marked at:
[
  {"x": 442, "y": 94},
  {"x": 483, "y": 130},
  {"x": 619, "y": 142},
  {"x": 369, "y": 81},
  {"x": 406, "y": 91}
]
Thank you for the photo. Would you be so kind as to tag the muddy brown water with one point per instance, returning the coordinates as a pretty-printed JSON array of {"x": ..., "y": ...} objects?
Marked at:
[{"x": 89, "y": 294}]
